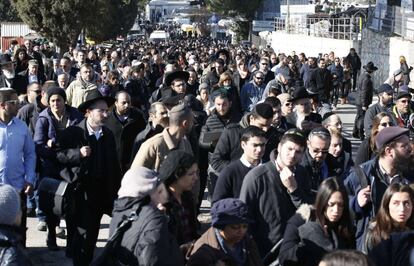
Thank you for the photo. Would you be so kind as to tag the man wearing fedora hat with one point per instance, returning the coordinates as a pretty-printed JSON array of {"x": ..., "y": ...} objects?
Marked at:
[
  {"x": 7, "y": 71},
  {"x": 87, "y": 152},
  {"x": 365, "y": 92}
]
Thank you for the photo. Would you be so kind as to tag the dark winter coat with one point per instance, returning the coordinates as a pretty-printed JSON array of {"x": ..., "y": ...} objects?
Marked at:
[
  {"x": 378, "y": 185},
  {"x": 30, "y": 112},
  {"x": 395, "y": 251},
  {"x": 125, "y": 133},
  {"x": 365, "y": 89},
  {"x": 304, "y": 241},
  {"x": 207, "y": 251},
  {"x": 216, "y": 123},
  {"x": 148, "y": 240},
  {"x": 228, "y": 147},
  {"x": 12, "y": 252},
  {"x": 22, "y": 80},
  {"x": 364, "y": 153},
  {"x": 46, "y": 129},
  {"x": 147, "y": 133},
  {"x": 270, "y": 204},
  {"x": 100, "y": 191}
]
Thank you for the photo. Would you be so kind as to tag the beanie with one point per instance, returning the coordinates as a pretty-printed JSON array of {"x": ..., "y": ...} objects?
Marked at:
[
  {"x": 9, "y": 205},
  {"x": 56, "y": 90},
  {"x": 138, "y": 182}
]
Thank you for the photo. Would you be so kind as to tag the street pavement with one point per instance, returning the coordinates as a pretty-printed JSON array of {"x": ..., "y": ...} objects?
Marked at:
[{"x": 36, "y": 241}]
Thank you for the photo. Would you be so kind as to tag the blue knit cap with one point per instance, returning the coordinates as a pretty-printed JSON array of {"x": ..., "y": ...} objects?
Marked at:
[{"x": 230, "y": 211}]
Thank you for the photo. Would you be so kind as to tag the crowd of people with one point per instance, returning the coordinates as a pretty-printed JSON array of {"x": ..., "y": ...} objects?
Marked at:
[{"x": 138, "y": 131}]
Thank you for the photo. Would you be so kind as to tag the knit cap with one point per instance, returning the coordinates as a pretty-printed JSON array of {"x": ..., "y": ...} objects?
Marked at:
[
  {"x": 9, "y": 205},
  {"x": 138, "y": 182}
]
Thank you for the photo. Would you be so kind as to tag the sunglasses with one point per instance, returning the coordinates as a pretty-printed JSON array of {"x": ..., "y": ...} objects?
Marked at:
[
  {"x": 265, "y": 64},
  {"x": 259, "y": 77},
  {"x": 37, "y": 91},
  {"x": 288, "y": 104}
]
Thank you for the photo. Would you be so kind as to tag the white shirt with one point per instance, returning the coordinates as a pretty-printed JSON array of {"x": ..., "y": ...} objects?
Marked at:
[
  {"x": 97, "y": 134},
  {"x": 247, "y": 164}
]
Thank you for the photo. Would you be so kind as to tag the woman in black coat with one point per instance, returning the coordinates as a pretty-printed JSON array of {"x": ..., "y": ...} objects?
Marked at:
[
  {"x": 148, "y": 241},
  {"x": 316, "y": 230},
  {"x": 405, "y": 71}
]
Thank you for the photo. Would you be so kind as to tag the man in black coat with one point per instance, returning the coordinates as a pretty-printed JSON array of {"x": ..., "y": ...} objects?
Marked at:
[
  {"x": 158, "y": 120},
  {"x": 355, "y": 61},
  {"x": 7, "y": 72},
  {"x": 30, "y": 75},
  {"x": 363, "y": 99},
  {"x": 125, "y": 122},
  {"x": 228, "y": 146},
  {"x": 88, "y": 154}
]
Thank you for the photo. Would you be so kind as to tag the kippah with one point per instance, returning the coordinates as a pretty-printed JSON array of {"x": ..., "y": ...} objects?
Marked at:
[
  {"x": 179, "y": 108},
  {"x": 264, "y": 110}
]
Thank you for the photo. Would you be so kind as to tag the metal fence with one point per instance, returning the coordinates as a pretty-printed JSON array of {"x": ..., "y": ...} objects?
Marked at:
[
  {"x": 336, "y": 28},
  {"x": 393, "y": 19}
]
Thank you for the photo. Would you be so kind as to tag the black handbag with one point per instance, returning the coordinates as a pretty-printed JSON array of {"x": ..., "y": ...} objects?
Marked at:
[
  {"x": 53, "y": 196},
  {"x": 108, "y": 255}
]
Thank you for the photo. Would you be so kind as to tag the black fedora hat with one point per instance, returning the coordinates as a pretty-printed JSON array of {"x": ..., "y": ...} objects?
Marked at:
[
  {"x": 5, "y": 59},
  {"x": 370, "y": 67},
  {"x": 301, "y": 93},
  {"x": 170, "y": 77},
  {"x": 93, "y": 97}
]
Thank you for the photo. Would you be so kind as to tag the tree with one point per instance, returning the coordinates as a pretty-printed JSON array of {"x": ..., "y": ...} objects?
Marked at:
[
  {"x": 114, "y": 17},
  {"x": 60, "y": 21},
  {"x": 7, "y": 12},
  {"x": 242, "y": 10}
]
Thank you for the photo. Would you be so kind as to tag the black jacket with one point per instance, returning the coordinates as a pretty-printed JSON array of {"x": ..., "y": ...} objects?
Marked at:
[
  {"x": 216, "y": 123},
  {"x": 125, "y": 133},
  {"x": 304, "y": 241},
  {"x": 364, "y": 153},
  {"x": 147, "y": 133},
  {"x": 229, "y": 149},
  {"x": 270, "y": 204},
  {"x": 22, "y": 80},
  {"x": 395, "y": 251},
  {"x": 12, "y": 252},
  {"x": 365, "y": 89},
  {"x": 3, "y": 83},
  {"x": 29, "y": 113},
  {"x": 100, "y": 191},
  {"x": 147, "y": 241}
]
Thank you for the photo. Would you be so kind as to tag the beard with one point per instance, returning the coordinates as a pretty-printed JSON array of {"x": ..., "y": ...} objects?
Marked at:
[
  {"x": 404, "y": 164},
  {"x": 8, "y": 74}
]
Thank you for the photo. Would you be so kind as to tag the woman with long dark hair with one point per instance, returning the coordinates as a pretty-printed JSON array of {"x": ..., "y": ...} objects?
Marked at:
[
  {"x": 367, "y": 149},
  {"x": 180, "y": 172},
  {"x": 395, "y": 215},
  {"x": 316, "y": 230}
]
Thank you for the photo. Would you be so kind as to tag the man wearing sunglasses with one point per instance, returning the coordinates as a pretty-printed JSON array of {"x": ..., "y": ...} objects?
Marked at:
[
  {"x": 384, "y": 104},
  {"x": 402, "y": 110},
  {"x": 317, "y": 161},
  {"x": 251, "y": 93},
  {"x": 17, "y": 149}
]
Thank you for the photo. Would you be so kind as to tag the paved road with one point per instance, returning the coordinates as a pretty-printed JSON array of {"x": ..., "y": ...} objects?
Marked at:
[{"x": 36, "y": 241}]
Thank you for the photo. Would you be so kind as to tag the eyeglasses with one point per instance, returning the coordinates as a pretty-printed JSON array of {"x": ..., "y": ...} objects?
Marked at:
[
  {"x": 258, "y": 77},
  {"x": 14, "y": 102},
  {"x": 317, "y": 151},
  {"x": 387, "y": 124}
]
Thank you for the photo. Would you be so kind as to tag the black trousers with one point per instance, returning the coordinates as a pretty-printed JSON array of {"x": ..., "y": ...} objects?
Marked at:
[
  {"x": 23, "y": 224},
  {"x": 87, "y": 224},
  {"x": 359, "y": 121}
]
